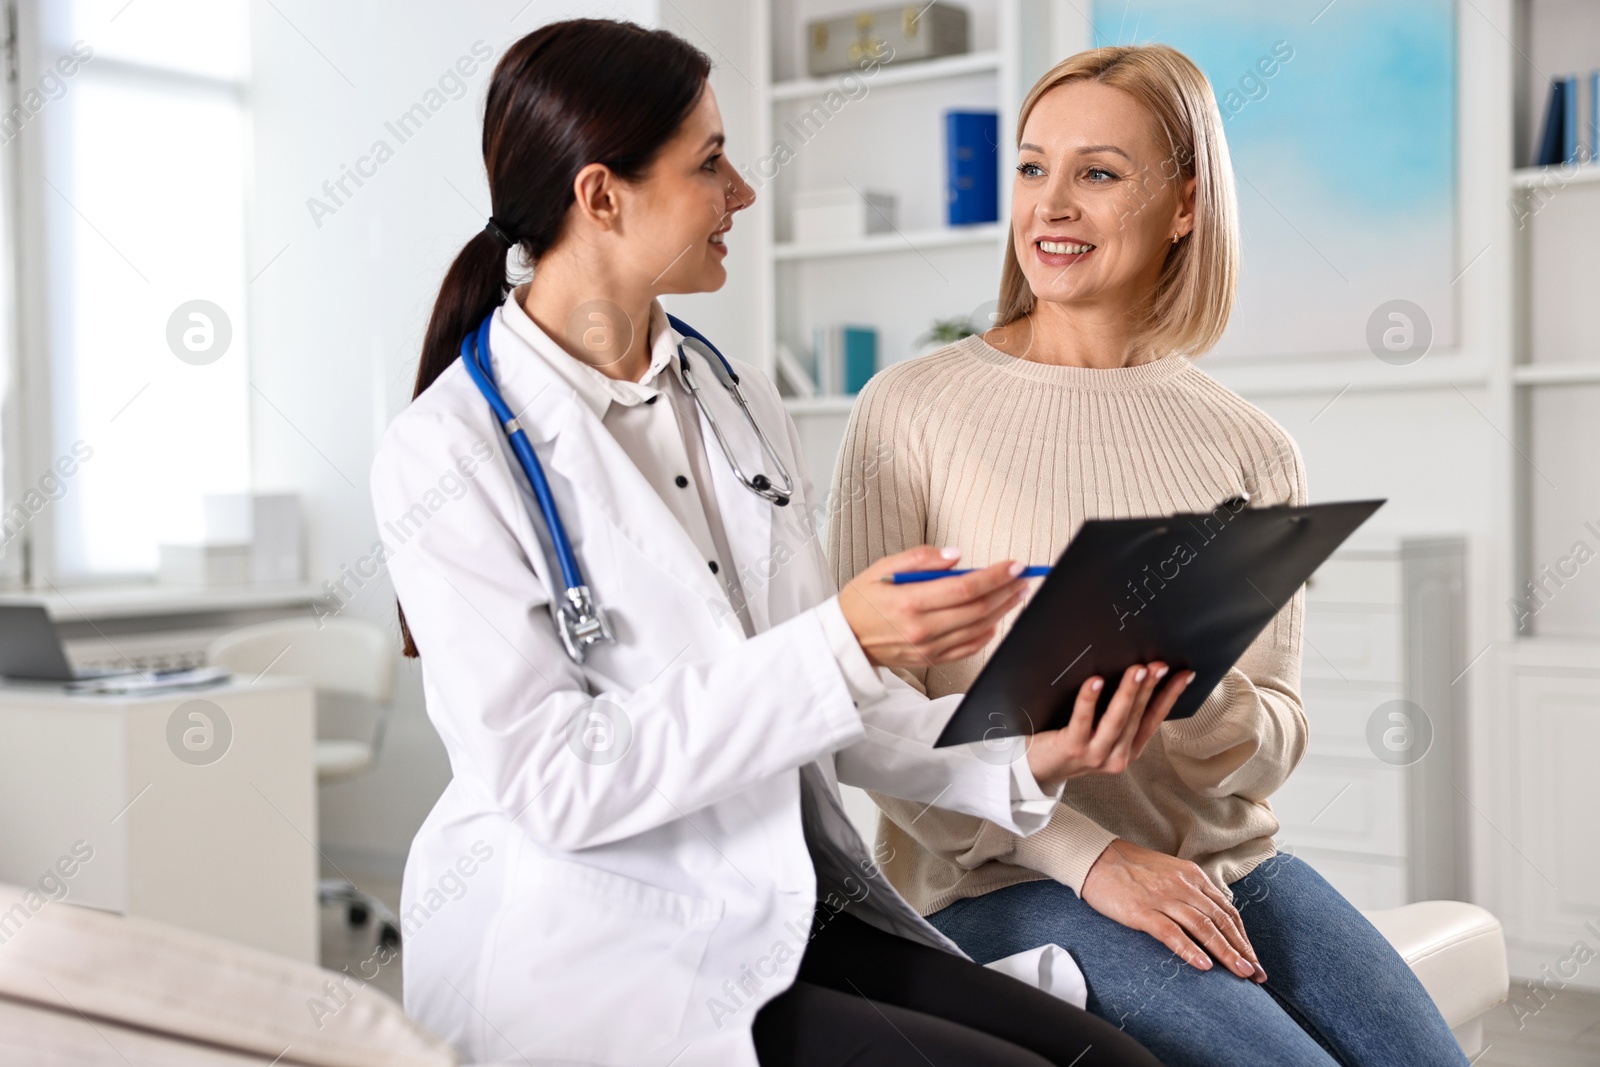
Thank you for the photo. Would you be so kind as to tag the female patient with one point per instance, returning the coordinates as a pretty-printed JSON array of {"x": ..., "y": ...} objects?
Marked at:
[{"x": 1195, "y": 934}]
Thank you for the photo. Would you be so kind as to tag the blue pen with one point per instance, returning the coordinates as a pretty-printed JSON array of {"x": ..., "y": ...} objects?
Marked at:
[{"x": 902, "y": 577}]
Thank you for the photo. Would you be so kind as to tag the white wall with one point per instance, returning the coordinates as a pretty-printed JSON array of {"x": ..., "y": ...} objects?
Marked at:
[
  {"x": 725, "y": 31},
  {"x": 338, "y": 310}
]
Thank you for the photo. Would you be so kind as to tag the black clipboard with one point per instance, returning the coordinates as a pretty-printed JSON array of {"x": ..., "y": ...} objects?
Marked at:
[{"x": 1191, "y": 590}]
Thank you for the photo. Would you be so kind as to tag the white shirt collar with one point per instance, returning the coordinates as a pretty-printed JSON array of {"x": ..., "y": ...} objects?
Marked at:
[{"x": 596, "y": 390}]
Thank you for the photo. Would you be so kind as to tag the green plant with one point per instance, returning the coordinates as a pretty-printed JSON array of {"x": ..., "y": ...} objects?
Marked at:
[{"x": 946, "y": 331}]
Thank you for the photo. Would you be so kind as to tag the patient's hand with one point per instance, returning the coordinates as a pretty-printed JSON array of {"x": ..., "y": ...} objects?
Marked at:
[
  {"x": 1174, "y": 902},
  {"x": 1107, "y": 747}
]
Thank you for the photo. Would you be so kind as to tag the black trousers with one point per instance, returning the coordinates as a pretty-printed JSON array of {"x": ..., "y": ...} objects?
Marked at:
[{"x": 865, "y": 998}]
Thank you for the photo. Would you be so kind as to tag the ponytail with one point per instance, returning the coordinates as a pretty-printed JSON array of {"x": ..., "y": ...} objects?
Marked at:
[
  {"x": 568, "y": 94},
  {"x": 474, "y": 286}
]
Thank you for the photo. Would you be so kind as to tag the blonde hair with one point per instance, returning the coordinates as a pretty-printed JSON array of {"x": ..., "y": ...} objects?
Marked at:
[{"x": 1194, "y": 294}]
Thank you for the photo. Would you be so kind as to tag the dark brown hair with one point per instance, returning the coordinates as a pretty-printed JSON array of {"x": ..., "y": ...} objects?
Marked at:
[{"x": 568, "y": 94}]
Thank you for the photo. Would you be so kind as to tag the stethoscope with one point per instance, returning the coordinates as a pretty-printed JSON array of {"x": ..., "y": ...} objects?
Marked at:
[{"x": 581, "y": 620}]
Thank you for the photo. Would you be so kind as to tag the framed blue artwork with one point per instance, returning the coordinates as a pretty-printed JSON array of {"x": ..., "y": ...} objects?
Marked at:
[{"x": 1344, "y": 157}]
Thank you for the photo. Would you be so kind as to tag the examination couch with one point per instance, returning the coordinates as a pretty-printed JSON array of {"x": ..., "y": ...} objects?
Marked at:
[{"x": 89, "y": 988}]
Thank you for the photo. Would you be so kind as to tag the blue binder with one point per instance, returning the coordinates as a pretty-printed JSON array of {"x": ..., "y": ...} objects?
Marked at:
[
  {"x": 1550, "y": 137},
  {"x": 1594, "y": 116},
  {"x": 972, "y": 168},
  {"x": 1569, "y": 135}
]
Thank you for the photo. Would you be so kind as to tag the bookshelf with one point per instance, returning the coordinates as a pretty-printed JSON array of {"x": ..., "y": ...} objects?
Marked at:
[
  {"x": 984, "y": 235},
  {"x": 1545, "y": 712},
  {"x": 1546, "y": 177},
  {"x": 888, "y": 136},
  {"x": 1560, "y": 374},
  {"x": 1555, "y": 359},
  {"x": 926, "y": 70}
]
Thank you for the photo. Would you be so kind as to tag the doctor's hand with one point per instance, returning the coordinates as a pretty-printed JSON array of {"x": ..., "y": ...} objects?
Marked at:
[
  {"x": 924, "y": 623},
  {"x": 1174, "y": 902},
  {"x": 1084, "y": 746}
]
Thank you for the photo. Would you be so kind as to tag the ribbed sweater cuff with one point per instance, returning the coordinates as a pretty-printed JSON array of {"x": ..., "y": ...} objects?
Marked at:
[
  {"x": 1210, "y": 715},
  {"x": 1066, "y": 849}
]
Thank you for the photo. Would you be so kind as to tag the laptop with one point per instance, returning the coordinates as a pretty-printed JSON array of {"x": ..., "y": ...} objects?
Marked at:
[{"x": 30, "y": 648}]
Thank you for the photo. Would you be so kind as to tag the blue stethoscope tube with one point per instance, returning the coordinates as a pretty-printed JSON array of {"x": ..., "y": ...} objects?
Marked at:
[
  {"x": 475, "y": 354},
  {"x": 581, "y": 620}
]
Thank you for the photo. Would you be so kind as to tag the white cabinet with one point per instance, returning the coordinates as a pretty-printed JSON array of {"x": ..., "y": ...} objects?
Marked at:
[
  {"x": 1554, "y": 868},
  {"x": 1370, "y": 805},
  {"x": 1537, "y": 795},
  {"x": 195, "y": 808}
]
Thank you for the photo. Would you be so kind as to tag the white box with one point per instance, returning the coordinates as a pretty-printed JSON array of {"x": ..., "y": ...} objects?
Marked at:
[
  {"x": 841, "y": 214},
  {"x": 205, "y": 563},
  {"x": 268, "y": 522}
]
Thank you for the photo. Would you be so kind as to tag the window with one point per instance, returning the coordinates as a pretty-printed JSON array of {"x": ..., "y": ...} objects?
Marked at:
[{"x": 142, "y": 133}]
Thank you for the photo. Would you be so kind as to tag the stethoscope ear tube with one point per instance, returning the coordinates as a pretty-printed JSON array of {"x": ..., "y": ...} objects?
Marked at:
[{"x": 758, "y": 483}]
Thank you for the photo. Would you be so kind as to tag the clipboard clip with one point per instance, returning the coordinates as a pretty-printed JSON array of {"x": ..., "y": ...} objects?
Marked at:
[{"x": 1240, "y": 502}]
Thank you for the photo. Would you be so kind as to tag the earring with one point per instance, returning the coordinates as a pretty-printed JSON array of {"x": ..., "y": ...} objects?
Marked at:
[{"x": 1174, "y": 238}]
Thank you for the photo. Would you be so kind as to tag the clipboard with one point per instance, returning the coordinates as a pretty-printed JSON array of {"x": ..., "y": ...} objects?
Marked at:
[{"x": 1191, "y": 590}]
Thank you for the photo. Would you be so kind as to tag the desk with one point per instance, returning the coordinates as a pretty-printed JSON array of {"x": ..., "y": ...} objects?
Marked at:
[{"x": 200, "y": 807}]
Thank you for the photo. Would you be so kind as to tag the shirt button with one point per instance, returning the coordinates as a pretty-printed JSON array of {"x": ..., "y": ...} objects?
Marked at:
[
  {"x": 713, "y": 566},
  {"x": 682, "y": 482}
]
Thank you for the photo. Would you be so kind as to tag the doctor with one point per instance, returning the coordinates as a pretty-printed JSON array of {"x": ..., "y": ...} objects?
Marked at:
[{"x": 645, "y": 683}]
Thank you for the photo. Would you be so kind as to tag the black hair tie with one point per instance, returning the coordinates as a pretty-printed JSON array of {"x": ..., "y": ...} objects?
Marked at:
[{"x": 498, "y": 232}]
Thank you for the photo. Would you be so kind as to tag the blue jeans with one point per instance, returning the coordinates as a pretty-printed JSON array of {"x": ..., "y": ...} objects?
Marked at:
[{"x": 1336, "y": 991}]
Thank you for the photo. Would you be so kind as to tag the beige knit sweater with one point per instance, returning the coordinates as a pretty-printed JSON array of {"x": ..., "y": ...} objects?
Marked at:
[{"x": 1005, "y": 457}]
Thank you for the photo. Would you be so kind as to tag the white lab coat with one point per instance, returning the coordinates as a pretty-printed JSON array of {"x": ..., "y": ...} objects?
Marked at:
[{"x": 562, "y": 906}]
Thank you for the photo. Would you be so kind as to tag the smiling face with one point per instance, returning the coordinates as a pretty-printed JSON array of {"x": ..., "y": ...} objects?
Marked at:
[
  {"x": 685, "y": 206},
  {"x": 1096, "y": 198}
]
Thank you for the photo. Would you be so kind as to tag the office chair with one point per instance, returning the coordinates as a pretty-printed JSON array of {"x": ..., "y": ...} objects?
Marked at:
[{"x": 351, "y": 664}]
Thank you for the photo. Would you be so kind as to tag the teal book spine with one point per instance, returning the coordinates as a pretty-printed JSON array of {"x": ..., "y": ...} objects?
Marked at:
[{"x": 860, "y": 357}]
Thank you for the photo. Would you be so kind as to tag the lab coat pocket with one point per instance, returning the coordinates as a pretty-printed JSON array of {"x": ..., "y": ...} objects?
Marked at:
[{"x": 596, "y": 966}]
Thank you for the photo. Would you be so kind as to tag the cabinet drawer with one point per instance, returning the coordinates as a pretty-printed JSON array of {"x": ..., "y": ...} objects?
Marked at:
[
  {"x": 1337, "y": 717},
  {"x": 1347, "y": 805},
  {"x": 1375, "y": 582},
  {"x": 1358, "y": 645}
]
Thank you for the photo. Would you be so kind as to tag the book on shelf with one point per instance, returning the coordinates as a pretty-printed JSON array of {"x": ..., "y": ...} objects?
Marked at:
[
  {"x": 793, "y": 374},
  {"x": 845, "y": 356},
  {"x": 1593, "y": 124},
  {"x": 972, "y": 166},
  {"x": 1552, "y": 134},
  {"x": 1571, "y": 130}
]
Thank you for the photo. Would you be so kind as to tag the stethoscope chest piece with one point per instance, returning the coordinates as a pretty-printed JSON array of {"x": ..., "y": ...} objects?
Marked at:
[{"x": 581, "y": 622}]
